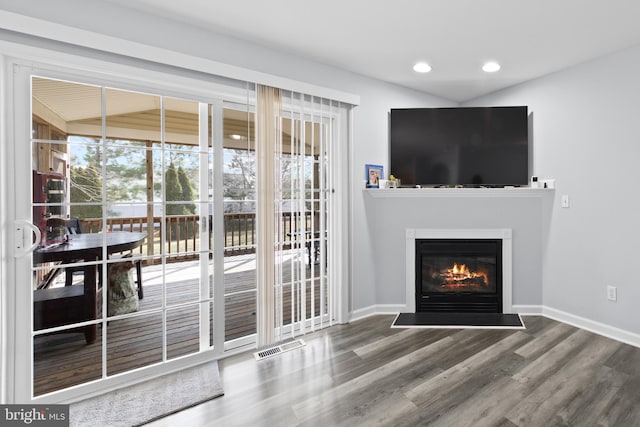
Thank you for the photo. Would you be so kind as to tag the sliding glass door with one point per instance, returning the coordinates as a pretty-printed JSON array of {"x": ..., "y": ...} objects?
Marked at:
[
  {"x": 145, "y": 204},
  {"x": 122, "y": 196},
  {"x": 303, "y": 189}
]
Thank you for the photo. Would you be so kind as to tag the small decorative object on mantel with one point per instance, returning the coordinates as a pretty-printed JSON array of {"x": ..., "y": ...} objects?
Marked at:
[
  {"x": 373, "y": 174},
  {"x": 548, "y": 183},
  {"x": 534, "y": 182},
  {"x": 393, "y": 182}
]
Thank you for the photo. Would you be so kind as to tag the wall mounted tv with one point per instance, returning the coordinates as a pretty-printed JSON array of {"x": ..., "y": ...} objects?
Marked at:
[{"x": 469, "y": 146}]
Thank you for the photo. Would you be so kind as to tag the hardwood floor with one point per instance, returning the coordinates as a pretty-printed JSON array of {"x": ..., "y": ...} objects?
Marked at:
[{"x": 366, "y": 373}]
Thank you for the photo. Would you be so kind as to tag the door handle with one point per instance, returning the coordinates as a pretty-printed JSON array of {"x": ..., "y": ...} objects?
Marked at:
[{"x": 21, "y": 248}]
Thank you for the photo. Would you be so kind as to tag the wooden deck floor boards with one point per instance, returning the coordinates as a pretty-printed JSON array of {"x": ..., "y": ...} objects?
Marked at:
[{"x": 63, "y": 360}]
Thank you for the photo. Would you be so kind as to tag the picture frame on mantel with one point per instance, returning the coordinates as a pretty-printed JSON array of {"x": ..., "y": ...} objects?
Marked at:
[{"x": 373, "y": 175}]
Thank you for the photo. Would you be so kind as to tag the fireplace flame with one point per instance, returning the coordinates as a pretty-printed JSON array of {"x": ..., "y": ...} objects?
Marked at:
[{"x": 461, "y": 275}]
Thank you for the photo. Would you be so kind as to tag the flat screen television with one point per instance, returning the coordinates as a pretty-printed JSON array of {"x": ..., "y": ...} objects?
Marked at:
[{"x": 468, "y": 146}]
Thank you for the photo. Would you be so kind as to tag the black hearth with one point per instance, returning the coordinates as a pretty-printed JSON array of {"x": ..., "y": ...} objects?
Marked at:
[{"x": 459, "y": 275}]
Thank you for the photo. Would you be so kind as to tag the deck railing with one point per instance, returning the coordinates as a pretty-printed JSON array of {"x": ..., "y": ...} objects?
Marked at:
[{"x": 182, "y": 238}]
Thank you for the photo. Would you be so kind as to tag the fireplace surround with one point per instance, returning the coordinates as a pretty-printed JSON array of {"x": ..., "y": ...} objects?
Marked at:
[{"x": 473, "y": 272}]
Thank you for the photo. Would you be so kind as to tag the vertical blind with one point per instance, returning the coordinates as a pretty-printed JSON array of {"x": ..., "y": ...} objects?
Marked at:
[
  {"x": 295, "y": 135},
  {"x": 268, "y": 135}
]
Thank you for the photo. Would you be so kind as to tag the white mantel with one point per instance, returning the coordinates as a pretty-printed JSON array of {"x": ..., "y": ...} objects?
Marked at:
[
  {"x": 513, "y": 192},
  {"x": 475, "y": 233}
]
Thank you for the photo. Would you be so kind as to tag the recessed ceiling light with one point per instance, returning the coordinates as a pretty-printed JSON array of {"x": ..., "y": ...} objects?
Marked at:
[
  {"x": 421, "y": 67},
  {"x": 490, "y": 67}
]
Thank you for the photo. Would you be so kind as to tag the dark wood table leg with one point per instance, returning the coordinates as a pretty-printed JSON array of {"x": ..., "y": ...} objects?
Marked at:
[{"x": 90, "y": 332}]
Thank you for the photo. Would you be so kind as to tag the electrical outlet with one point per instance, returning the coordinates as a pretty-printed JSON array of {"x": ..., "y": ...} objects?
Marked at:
[
  {"x": 612, "y": 293},
  {"x": 565, "y": 201}
]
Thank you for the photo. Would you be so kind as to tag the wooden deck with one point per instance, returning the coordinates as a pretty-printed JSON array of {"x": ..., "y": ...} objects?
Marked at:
[{"x": 63, "y": 360}]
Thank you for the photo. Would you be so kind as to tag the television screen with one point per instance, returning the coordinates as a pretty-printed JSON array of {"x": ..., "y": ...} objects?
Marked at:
[{"x": 470, "y": 146}]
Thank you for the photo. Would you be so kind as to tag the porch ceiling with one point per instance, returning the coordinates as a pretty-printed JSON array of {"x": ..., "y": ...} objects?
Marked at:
[{"x": 77, "y": 109}]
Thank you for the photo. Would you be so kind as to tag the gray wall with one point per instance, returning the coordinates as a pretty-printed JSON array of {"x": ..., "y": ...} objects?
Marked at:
[
  {"x": 585, "y": 134},
  {"x": 392, "y": 216}
]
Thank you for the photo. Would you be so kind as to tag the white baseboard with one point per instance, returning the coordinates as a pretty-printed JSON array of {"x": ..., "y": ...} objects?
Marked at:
[
  {"x": 608, "y": 331},
  {"x": 528, "y": 310},
  {"x": 373, "y": 310}
]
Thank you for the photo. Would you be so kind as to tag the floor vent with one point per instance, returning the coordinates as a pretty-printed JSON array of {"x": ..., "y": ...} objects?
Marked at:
[{"x": 274, "y": 351}]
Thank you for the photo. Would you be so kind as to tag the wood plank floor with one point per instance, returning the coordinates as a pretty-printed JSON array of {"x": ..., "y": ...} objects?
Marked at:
[
  {"x": 365, "y": 374},
  {"x": 63, "y": 360}
]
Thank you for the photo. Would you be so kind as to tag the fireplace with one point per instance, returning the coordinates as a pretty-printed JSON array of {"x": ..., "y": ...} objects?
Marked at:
[
  {"x": 458, "y": 275},
  {"x": 473, "y": 277}
]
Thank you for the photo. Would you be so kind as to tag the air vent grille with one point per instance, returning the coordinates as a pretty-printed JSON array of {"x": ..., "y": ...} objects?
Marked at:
[{"x": 279, "y": 349}]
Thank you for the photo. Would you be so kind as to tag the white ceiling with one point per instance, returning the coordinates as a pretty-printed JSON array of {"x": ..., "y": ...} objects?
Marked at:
[{"x": 383, "y": 38}]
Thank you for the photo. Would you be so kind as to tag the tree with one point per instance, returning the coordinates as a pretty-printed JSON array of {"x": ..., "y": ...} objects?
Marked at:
[
  {"x": 173, "y": 191},
  {"x": 187, "y": 190},
  {"x": 125, "y": 178},
  {"x": 239, "y": 182},
  {"x": 126, "y": 172},
  {"x": 86, "y": 187}
]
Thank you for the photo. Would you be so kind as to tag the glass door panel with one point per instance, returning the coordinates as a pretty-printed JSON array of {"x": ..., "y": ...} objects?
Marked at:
[
  {"x": 128, "y": 186},
  {"x": 184, "y": 203},
  {"x": 65, "y": 279},
  {"x": 239, "y": 205},
  {"x": 302, "y": 289}
]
